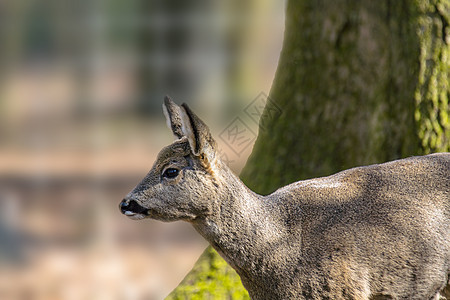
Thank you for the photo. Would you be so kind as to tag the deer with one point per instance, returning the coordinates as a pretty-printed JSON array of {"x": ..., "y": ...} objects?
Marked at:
[{"x": 373, "y": 232}]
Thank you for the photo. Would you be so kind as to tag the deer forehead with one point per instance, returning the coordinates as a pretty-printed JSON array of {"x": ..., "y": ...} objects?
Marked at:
[{"x": 174, "y": 151}]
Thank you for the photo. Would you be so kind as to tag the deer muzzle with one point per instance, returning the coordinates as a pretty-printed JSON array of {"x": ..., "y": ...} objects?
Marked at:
[{"x": 131, "y": 208}]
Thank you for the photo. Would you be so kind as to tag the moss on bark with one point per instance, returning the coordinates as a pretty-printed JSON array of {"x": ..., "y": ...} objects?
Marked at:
[
  {"x": 211, "y": 278},
  {"x": 358, "y": 82},
  {"x": 432, "y": 112}
]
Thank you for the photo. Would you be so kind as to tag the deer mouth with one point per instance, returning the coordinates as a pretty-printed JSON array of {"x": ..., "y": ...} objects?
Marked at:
[{"x": 133, "y": 209}]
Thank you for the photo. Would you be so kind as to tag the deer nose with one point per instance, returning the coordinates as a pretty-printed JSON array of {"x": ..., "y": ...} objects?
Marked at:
[
  {"x": 131, "y": 208},
  {"x": 123, "y": 206}
]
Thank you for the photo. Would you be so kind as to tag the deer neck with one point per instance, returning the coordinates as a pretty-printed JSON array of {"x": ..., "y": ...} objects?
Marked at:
[{"x": 241, "y": 223}]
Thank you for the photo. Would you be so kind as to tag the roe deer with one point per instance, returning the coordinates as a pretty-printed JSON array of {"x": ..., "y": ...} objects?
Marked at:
[{"x": 374, "y": 232}]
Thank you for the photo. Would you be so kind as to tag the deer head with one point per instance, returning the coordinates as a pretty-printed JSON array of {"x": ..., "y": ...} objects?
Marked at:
[{"x": 183, "y": 182}]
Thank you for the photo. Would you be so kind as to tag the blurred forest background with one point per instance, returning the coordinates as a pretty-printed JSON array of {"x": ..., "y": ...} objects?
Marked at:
[{"x": 81, "y": 87}]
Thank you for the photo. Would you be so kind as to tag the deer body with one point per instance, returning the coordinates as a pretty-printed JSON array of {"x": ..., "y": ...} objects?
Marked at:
[{"x": 375, "y": 232}]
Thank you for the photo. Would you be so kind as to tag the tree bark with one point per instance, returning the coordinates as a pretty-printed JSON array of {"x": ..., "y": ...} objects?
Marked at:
[{"x": 358, "y": 82}]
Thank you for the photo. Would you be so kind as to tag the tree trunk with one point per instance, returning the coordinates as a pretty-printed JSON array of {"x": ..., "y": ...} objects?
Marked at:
[{"x": 358, "y": 82}]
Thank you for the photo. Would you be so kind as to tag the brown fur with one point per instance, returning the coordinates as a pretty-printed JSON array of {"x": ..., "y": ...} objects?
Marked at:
[{"x": 374, "y": 232}]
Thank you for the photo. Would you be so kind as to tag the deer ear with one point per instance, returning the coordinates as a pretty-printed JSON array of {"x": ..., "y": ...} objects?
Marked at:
[
  {"x": 173, "y": 117},
  {"x": 197, "y": 132}
]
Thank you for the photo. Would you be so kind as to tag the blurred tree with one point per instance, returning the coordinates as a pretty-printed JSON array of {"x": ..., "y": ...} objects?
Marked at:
[
  {"x": 358, "y": 82},
  {"x": 247, "y": 35},
  {"x": 39, "y": 39},
  {"x": 176, "y": 34}
]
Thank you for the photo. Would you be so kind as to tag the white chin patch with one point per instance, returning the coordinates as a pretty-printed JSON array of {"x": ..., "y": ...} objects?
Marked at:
[{"x": 134, "y": 216}]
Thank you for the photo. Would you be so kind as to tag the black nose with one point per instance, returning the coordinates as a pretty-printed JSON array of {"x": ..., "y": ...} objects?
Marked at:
[
  {"x": 123, "y": 206},
  {"x": 132, "y": 206}
]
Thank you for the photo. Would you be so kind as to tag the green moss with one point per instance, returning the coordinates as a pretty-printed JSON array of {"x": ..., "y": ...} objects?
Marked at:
[
  {"x": 433, "y": 91},
  {"x": 211, "y": 278}
]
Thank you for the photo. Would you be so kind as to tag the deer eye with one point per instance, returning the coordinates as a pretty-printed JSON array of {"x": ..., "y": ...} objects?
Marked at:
[{"x": 171, "y": 173}]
